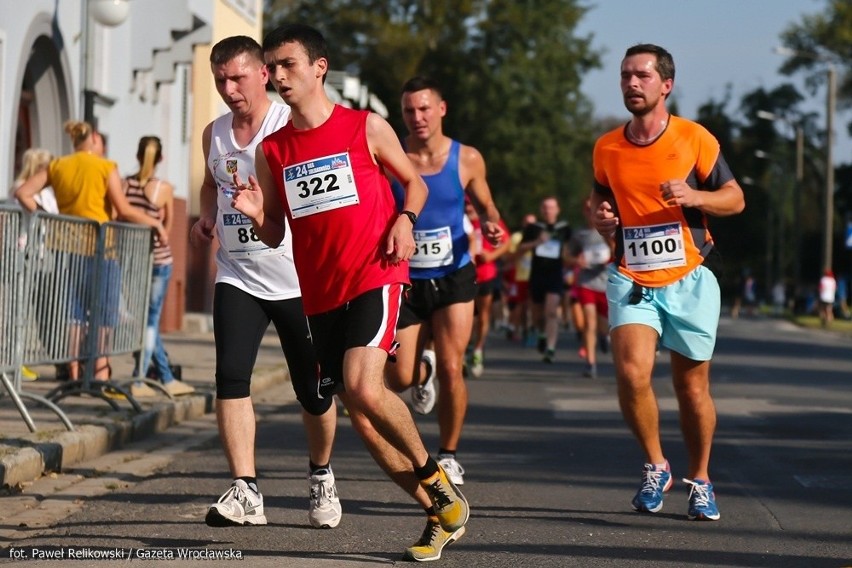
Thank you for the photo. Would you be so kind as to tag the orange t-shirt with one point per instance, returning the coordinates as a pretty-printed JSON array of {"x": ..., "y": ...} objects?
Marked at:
[{"x": 657, "y": 244}]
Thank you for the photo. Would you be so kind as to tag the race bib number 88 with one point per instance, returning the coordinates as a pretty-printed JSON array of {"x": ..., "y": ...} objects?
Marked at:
[
  {"x": 240, "y": 240},
  {"x": 320, "y": 185}
]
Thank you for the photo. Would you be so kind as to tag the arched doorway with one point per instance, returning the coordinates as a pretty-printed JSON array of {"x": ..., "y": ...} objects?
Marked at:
[{"x": 43, "y": 105}]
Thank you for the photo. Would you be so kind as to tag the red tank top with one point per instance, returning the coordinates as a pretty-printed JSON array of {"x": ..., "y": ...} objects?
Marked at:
[
  {"x": 340, "y": 208},
  {"x": 488, "y": 270}
]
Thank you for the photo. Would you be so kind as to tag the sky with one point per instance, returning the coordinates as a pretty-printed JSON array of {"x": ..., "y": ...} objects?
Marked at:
[{"x": 713, "y": 42}]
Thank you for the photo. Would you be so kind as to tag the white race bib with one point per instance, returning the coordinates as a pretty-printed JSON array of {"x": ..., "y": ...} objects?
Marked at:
[
  {"x": 240, "y": 238},
  {"x": 654, "y": 246},
  {"x": 549, "y": 249},
  {"x": 320, "y": 185},
  {"x": 434, "y": 248},
  {"x": 597, "y": 254}
]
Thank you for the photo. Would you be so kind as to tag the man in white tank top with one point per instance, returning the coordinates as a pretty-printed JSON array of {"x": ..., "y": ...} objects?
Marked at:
[{"x": 255, "y": 284}]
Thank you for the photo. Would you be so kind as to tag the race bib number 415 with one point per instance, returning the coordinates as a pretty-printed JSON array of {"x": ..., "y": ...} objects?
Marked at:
[
  {"x": 320, "y": 185},
  {"x": 654, "y": 246}
]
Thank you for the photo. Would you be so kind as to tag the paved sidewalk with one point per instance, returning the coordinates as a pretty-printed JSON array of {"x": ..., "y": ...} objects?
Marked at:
[{"x": 25, "y": 455}]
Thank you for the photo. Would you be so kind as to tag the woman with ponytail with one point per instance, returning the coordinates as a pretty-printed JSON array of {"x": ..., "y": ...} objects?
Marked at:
[
  {"x": 155, "y": 198},
  {"x": 86, "y": 185}
]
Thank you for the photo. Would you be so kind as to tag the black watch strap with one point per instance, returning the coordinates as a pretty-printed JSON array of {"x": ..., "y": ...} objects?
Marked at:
[{"x": 411, "y": 216}]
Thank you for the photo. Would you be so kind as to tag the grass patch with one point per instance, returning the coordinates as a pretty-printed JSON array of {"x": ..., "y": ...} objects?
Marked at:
[{"x": 841, "y": 326}]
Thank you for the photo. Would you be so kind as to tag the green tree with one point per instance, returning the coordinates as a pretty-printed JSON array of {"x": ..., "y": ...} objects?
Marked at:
[
  {"x": 819, "y": 40},
  {"x": 527, "y": 109},
  {"x": 780, "y": 222},
  {"x": 511, "y": 76}
]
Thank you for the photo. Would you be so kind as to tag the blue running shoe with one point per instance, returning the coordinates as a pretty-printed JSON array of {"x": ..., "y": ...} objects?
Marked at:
[
  {"x": 655, "y": 482},
  {"x": 702, "y": 501}
]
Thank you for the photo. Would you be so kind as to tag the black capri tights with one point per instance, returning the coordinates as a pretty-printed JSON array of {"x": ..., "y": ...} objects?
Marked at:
[{"x": 239, "y": 322}]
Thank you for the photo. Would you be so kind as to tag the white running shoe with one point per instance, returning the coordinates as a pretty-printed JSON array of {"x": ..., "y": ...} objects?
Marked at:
[
  {"x": 423, "y": 396},
  {"x": 476, "y": 364},
  {"x": 324, "y": 511},
  {"x": 453, "y": 469},
  {"x": 239, "y": 506}
]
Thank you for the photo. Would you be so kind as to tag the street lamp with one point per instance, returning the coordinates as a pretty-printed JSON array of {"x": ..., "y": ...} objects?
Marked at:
[
  {"x": 797, "y": 194},
  {"x": 827, "y": 248},
  {"x": 107, "y": 13},
  {"x": 774, "y": 234}
]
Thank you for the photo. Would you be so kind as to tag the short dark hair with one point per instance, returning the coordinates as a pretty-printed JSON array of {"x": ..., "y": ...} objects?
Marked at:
[
  {"x": 309, "y": 38},
  {"x": 420, "y": 83},
  {"x": 665, "y": 62},
  {"x": 230, "y": 47}
]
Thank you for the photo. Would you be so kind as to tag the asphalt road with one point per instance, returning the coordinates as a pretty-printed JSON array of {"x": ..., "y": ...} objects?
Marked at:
[{"x": 551, "y": 469}]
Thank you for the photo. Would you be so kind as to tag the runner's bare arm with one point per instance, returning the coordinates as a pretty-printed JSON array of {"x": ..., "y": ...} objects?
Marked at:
[
  {"x": 258, "y": 199},
  {"x": 387, "y": 151},
  {"x": 202, "y": 230},
  {"x": 472, "y": 166}
]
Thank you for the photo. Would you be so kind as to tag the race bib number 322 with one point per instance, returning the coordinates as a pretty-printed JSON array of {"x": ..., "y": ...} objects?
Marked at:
[{"x": 320, "y": 185}]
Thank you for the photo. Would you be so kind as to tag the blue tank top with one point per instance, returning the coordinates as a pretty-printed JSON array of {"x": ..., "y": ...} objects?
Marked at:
[{"x": 442, "y": 245}]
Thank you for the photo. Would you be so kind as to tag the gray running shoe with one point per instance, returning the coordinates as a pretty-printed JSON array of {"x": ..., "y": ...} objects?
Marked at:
[
  {"x": 324, "y": 511},
  {"x": 238, "y": 506},
  {"x": 423, "y": 396},
  {"x": 477, "y": 364},
  {"x": 453, "y": 468}
]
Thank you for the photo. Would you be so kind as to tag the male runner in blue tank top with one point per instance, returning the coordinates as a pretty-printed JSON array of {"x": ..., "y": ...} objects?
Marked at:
[{"x": 439, "y": 306}]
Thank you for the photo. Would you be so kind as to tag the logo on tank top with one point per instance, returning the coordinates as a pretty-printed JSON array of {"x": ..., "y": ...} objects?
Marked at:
[{"x": 231, "y": 166}]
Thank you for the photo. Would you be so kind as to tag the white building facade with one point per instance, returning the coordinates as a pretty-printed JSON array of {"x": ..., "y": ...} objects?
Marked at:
[{"x": 131, "y": 68}]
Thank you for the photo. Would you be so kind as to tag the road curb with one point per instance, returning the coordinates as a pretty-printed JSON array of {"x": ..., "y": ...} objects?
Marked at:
[{"x": 37, "y": 455}]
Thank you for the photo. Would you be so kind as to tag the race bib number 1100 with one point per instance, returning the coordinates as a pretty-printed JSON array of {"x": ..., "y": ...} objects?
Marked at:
[
  {"x": 320, "y": 185},
  {"x": 654, "y": 246}
]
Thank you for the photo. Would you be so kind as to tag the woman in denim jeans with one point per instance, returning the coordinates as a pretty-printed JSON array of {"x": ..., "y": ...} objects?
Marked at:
[{"x": 155, "y": 197}]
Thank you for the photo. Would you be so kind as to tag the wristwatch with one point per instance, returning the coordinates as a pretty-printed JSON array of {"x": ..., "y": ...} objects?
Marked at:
[{"x": 411, "y": 216}]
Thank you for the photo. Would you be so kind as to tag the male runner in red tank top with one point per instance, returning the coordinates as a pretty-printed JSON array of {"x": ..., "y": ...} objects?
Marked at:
[{"x": 325, "y": 172}]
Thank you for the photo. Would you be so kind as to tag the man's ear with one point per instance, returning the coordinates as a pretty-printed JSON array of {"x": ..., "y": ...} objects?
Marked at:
[{"x": 322, "y": 66}]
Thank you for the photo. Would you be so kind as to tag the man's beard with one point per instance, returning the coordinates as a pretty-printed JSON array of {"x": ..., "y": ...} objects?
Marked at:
[{"x": 646, "y": 106}]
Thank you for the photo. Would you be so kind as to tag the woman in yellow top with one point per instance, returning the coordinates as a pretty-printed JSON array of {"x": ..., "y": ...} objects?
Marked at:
[{"x": 86, "y": 185}]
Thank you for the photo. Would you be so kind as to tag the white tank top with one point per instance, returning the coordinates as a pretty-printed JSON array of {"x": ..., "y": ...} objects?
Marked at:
[{"x": 242, "y": 259}]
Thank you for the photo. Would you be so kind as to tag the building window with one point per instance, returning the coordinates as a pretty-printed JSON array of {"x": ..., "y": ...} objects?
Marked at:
[{"x": 246, "y": 8}]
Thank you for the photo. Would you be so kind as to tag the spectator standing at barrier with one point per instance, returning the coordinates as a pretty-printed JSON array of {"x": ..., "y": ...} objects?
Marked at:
[
  {"x": 351, "y": 250},
  {"x": 655, "y": 181},
  {"x": 87, "y": 185},
  {"x": 33, "y": 161},
  {"x": 255, "y": 284},
  {"x": 154, "y": 197}
]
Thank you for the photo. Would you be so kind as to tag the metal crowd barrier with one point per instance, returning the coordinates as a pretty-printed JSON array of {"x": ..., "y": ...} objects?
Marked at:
[
  {"x": 12, "y": 249},
  {"x": 83, "y": 294}
]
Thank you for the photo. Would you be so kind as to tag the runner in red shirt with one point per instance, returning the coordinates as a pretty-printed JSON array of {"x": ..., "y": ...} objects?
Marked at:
[{"x": 325, "y": 170}]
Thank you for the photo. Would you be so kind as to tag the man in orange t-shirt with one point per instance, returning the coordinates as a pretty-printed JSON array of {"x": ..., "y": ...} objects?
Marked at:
[{"x": 656, "y": 179}]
